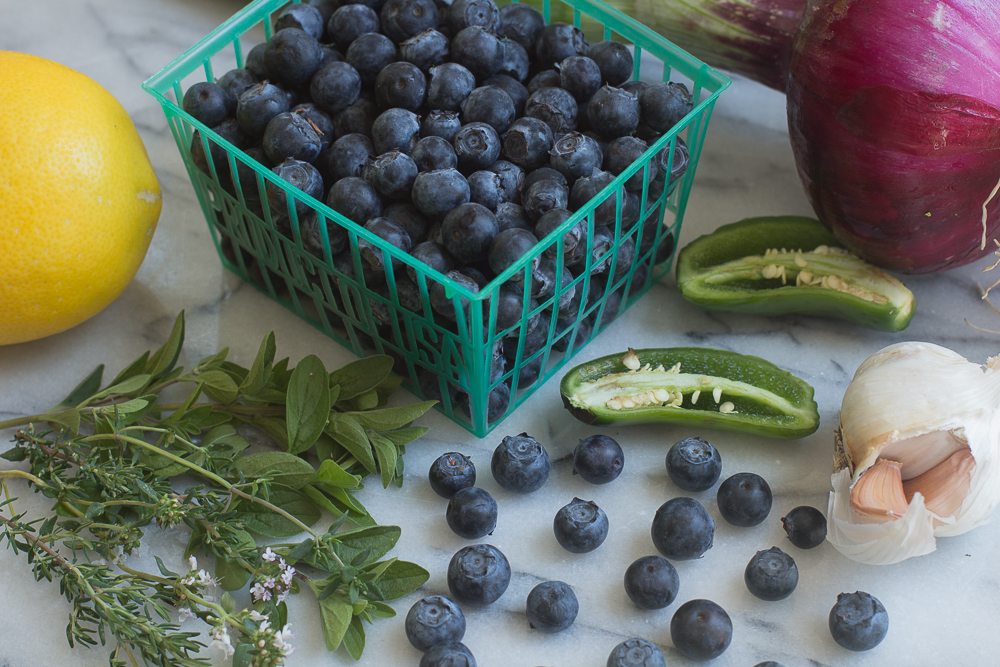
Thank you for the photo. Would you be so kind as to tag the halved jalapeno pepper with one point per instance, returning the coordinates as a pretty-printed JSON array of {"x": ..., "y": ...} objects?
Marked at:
[
  {"x": 697, "y": 385},
  {"x": 789, "y": 264}
]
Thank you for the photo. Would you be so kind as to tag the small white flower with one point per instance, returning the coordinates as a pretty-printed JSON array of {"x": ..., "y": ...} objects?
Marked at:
[
  {"x": 221, "y": 640},
  {"x": 184, "y": 613},
  {"x": 286, "y": 576},
  {"x": 269, "y": 555},
  {"x": 205, "y": 579},
  {"x": 257, "y": 616},
  {"x": 282, "y": 596},
  {"x": 269, "y": 582},
  {"x": 192, "y": 563},
  {"x": 260, "y": 593}
]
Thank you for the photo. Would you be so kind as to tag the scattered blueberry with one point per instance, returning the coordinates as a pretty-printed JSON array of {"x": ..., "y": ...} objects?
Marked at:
[
  {"x": 433, "y": 620},
  {"x": 552, "y": 607},
  {"x": 637, "y": 653},
  {"x": 682, "y": 529},
  {"x": 448, "y": 654},
  {"x": 581, "y": 526},
  {"x": 598, "y": 459},
  {"x": 651, "y": 582},
  {"x": 451, "y": 473},
  {"x": 694, "y": 464},
  {"x": 472, "y": 513},
  {"x": 478, "y": 574},
  {"x": 858, "y": 622},
  {"x": 520, "y": 464},
  {"x": 744, "y": 499},
  {"x": 805, "y": 527},
  {"x": 701, "y": 629},
  {"x": 771, "y": 575}
]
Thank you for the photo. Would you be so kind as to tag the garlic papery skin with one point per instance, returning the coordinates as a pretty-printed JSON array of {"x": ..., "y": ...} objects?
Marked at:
[{"x": 917, "y": 452}]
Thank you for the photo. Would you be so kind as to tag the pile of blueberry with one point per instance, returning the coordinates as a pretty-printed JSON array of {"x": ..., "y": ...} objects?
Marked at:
[
  {"x": 682, "y": 529},
  {"x": 461, "y": 134}
]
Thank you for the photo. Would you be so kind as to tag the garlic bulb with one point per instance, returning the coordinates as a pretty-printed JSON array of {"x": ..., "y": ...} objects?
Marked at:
[{"x": 916, "y": 452}]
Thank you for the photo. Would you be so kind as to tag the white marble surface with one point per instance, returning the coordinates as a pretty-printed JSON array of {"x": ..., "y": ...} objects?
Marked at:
[{"x": 942, "y": 607}]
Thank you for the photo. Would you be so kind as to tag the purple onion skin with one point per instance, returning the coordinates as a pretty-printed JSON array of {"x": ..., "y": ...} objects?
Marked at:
[{"x": 894, "y": 117}]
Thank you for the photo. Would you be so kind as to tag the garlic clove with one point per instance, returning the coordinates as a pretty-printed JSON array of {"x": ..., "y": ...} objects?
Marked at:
[
  {"x": 944, "y": 486},
  {"x": 878, "y": 493}
]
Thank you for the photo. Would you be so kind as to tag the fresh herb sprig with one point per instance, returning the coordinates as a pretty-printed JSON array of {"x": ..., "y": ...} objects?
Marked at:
[{"x": 114, "y": 459}]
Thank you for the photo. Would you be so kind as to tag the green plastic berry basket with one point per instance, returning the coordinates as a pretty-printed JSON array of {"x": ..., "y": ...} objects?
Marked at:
[{"x": 458, "y": 362}]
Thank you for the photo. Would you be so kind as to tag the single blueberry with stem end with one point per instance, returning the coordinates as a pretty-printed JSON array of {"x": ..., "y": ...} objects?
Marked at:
[
  {"x": 598, "y": 459},
  {"x": 682, "y": 529},
  {"x": 448, "y": 654},
  {"x": 552, "y": 607},
  {"x": 433, "y": 620},
  {"x": 478, "y": 574},
  {"x": 580, "y": 526},
  {"x": 651, "y": 582},
  {"x": 805, "y": 527},
  {"x": 637, "y": 652},
  {"x": 694, "y": 464},
  {"x": 771, "y": 575},
  {"x": 701, "y": 629},
  {"x": 450, "y": 473},
  {"x": 472, "y": 513},
  {"x": 744, "y": 499},
  {"x": 520, "y": 464},
  {"x": 859, "y": 621}
]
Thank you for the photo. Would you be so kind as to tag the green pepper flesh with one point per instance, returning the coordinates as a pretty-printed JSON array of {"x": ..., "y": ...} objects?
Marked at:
[
  {"x": 763, "y": 398},
  {"x": 731, "y": 270}
]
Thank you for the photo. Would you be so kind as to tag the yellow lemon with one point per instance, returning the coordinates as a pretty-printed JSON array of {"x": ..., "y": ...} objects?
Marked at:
[{"x": 78, "y": 198}]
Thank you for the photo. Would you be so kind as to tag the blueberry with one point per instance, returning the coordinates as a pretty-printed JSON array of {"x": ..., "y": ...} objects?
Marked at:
[
  {"x": 442, "y": 124},
  {"x": 467, "y": 232},
  {"x": 634, "y": 87},
  {"x": 858, "y": 622},
  {"x": 449, "y": 86},
  {"x": 320, "y": 121},
  {"x": 511, "y": 179},
  {"x": 207, "y": 102},
  {"x": 258, "y": 105},
  {"x": 769, "y": 663},
  {"x": 299, "y": 175},
  {"x": 522, "y": 23},
  {"x": 485, "y": 189},
  {"x": 600, "y": 247},
  {"x": 663, "y": 105},
  {"x": 694, "y": 464},
  {"x": 330, "y": 55},
  {"x": 682, "y": 529},
  {"x": 552, "y": 607},
  {"x": 510, "y": 308},
  {"x": 520, "y": 464},
  {"x": 433, "y": 620},
  {"x": 433, "y": 255},
  {"x": 516, "y": 62},
  {"x": 477, "y": 146},
  {"x": 701, "y": 629},
  {"x": 255, "y": 61},
  {"x": 350, "y": 22},
  {"x": 598, "y": 459},
  {"x": 393, "y": 235},
  {"x": 451, "y": 473},
  {"x": 651, "y": 582},
  {"x": 356, "y": 119},
  {"x": 369, "y": 53},
  {"x": 400, "y": 84},
  {"x": 545, "y": 79},
  {"x": 343, "y": 265},
  {"x": 620, "y": 155},
  {"x": 448, "y": 654},
  {"x": 574, "y": 239},
  {"x": 444, "y": 304},
  {"x": 312, "y": 236},
  {"x": 514, "y": 88},
  {"x": 584, "y": 327},
  {"x": 479, "y": 51},
  {"x": 355, "y": 199},
  {"x": 575, "y": 155},
  {"x": 472, "y": 513},
  {"x": 581, "y": 526},
  {"x": 744, "y": 499},
  {"x": 543, "y": 174},
  {"x": 533, "y": 341},
  {"x": 395, "y": 130},
  {"x": 771, "y": 575},
  {"x": 433, "y": 153},
  {"x": 292, "y": 56},
  {"x": 478, "y": 574},
  {"x": 678, "y": 163},
  {"x": 497, "y": 403},
  {"x": 553, "y": 105},
  {"x": 231, "y": 131},
  {"x": 436, "y": 193},
  {"x": 580, "y": 76},
  {"x": 234, "y": 83},
  {"x": 613, "y": 112},
  {"x": 426, "y": 49},
  {"x": 805, "y": 527},
  {"x": 410, "y": 219},
  {"x": 290, "y": 135},
  {"x": 402, "y": 19},
  {"x": 490, "y": 105},
  {"x": 636, "y": 653},
  {"x": 559, "y": 41},
  {"x": 512, "y": 216},
  {"x": 302, "y": 16},
  {"x": 527, "y": 143},
  {"x": 465, "y": 13},
  {"x": 392, "y": 175},
  {"x": 507, "y": 248},
  {"x": 345, "y": 157},
  {"x": 544, "y": 196},
  {"x": 626, "y": 254},
  {"x": 248, "y": 177},
  {"x": 614, "y": 61}
]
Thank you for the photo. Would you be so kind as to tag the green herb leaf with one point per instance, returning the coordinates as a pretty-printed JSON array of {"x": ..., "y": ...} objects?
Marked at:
[
  {"x": 403, "y": 436},
  {"x": 242, "y": 656},
  {"x": 351, "y": 436},
  {"x": 281, "y": 467},
  {"x": 331, "y": 473},
  {"x": 218, "y": 385},
  {"x": 258, "y": 519},
  {"x": 163, "y": 568},
  {"x": 85, "y": 389},
  {"x": 348, "y": 502},
  {"x": 322, "y": 500},
  {"x": 365, "y": 401},
  {"x": 274, "y": 427},
  {"x": 228, "y": 603},
  {"x": 260, "y": 372},
  {"x": 134, "y": 405},
  {"x": 380, "y": 609},
  {"x": 231, "y": 575},
  {"x": 95, "y": 510},
  {"x": 224, "y": 442},
  {"x": 302, "y": 549},
  {"x": 396, "y": 417},
  {"x": 335, "y": 613},
  {"x": 354, "y": 639},
  {"x": 137, "y": 367},
  {"x": 307, "y": 403},
  {"x": 402, "y": 578},
  {"x": 388, "y": 387},
  {"x": 385, "y": 452},
  {"x": 361, "y": 376},
  {"x": 381, "y": 540},
  {"x": 164, "y": 359},
  {"x": 133, "y": 385},
  {"x": 68, "y": 417}
]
